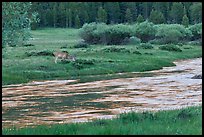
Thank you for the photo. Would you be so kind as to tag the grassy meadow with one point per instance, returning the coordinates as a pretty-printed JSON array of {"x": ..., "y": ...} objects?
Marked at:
[{"x": 22, "y": 64}]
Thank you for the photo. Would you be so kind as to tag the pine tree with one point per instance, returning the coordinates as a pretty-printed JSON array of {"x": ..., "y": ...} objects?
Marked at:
[
  {"x": 156, "y": 17},
  {"x": 66, "y": 14},
  {"x": 77, "y": 22},
  {"x": 140, "y": 19},
  {"x": 196, "y": 12},
  {"x": 113, "y": 11},
  {"x": 85, "y": 17},
  {"x": 102, "y": 15},
  {"x": 177, "y": 12},
  {"x": 185, "y": 21},
  {"x": 128, "y": 16},
  {"x": 133, "y": 9},
  {"x": 70, "y": 18},
  {"x": 54, "y": 14}
]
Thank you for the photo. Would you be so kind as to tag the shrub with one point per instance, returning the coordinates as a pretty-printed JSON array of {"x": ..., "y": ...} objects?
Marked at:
[
  {"x": 81, "y": 45},
  {"x": 147, "y": 53},
  {"x": 170, "y": 36},
  {"x": 136, "y": 52},
  {"x": 100, "y": 33},
  {"x": 92, "y": 32},
  {"x": 145, "y": 31},
  {"x": 134, "y": 40},
  {"x": 28, "y": 45},
  {"x": 39, "y": 53},
  {"x": 171, "y": 33},
  {"x": 195, "y": 42},
  {"x": 146, "y": 46},
  {"x": 157, "y": 41},
  {"x": 85, "y": 61},
  {"x": 170, "y": 47},
  {"x": 114, "y": 49},
  {"x": 77, "y": 65},
  {"x": 80, "y": 63},
  {"x": 64, "y": 46},
  {"x": 116, "y": 34},
  {"x": 196, "y": 31}
]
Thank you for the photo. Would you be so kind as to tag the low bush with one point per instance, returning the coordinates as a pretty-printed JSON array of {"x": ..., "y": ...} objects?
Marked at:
[
  {"x": 146, "y": 46},
  {"x": 81, "y": 63},
  {"x": 100, "y": 33},
  {"x": 85, "y": 61},
  {"x": 147, "y": 53},
  {"x": 195, "y": 42},
  {"x": 145, "y": 31},
  {"x": 93, "y": 33},
  {"x": 137, "y": 52},
  {"x": 134, "y": 40},
  {"x": 115, "y": 49},
  {"x": 116, "y": 34},
  {"x": 28, "y": 45},
  {"x": 196, "y": 31},
  {"x": 81, "y": 45},
  {"x": 172, "y": 33},
  {"x": 170, "y": 47},
  {"x": 39, "y": 53}
]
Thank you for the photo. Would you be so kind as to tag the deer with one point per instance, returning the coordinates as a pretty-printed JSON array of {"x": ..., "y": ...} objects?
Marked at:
[{"x": 63, "y": 55}]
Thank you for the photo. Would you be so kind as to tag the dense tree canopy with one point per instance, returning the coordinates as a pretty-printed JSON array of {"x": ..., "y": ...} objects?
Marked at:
[{"x": 58, "y": 14}]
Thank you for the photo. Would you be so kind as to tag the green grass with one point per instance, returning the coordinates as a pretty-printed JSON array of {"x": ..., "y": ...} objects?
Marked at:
[
  {"x": 19, "y": 66},
  {"x": 186, "y": 121}
]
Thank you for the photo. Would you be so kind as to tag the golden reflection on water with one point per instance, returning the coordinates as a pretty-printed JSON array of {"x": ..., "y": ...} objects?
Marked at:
[{"x": 49, "y": 102}]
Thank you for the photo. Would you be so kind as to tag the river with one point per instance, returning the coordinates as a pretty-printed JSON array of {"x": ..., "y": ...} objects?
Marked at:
[{"x": 61, "y": 101}]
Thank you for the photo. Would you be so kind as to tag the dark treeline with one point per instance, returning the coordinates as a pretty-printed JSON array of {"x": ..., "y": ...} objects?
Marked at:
[{"x": 75, "y": 14}]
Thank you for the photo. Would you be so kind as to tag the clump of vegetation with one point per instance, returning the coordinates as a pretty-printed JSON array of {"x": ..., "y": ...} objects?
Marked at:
[
  {"x": 85, "y": 61},
  {"x": 81, "y": 45},
  {"x": 28, "y": 45},
  {"x": 81, "y": 63},
  {"x": 100, "y": 33},
  {"x": 92, "y": 33},
  {"x": 136, "y": 52},
  {"x": 39, "y": 53},
  {"x": 148, "y": 53},
  {"x": 146, "y": 46},
  {"x": 170, "y": 47},
  {"x": 64, "y": 46},
  {"x": 145, "y": 31},
  {"x": 172, "y": 33},
  {"x": 114, "y": 49},
  {"x": 42, "y": 67},
  {"x": 116, "y": 34},
  {"x": 134, "y": 40},
  {"x": 65, "y": 61},
  {"x": 196, "y": 31},
  {"x": 195, "y": 42}
]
